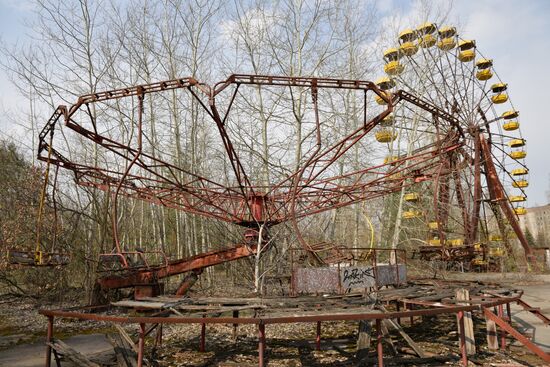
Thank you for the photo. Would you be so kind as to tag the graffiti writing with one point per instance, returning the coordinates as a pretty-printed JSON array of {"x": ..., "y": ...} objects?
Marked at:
[{"x": 357, "y": 277}]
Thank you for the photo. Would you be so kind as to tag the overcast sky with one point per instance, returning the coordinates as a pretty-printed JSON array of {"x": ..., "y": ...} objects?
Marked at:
[{"x": 515, "y": 34}]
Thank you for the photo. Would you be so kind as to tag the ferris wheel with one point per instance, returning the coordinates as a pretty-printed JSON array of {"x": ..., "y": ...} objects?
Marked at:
[{"x": 469, "y": 209}]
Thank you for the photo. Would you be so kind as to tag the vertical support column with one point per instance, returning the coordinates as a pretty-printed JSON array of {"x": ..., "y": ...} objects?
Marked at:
[
  {"x": 502, "y": 331},
  {"x": 318, "y": 337},
  {"x": 141, "y": 344},
  {"x": 508, "y": 313},
  {"x": 202, "y": 343},
  {"x": 49, "y": 337},
  {"x": 235, "y": 315},
  {"x": 159, "y": 336},
  {"x": 460, "y": 317},
  {"x": 379, "y": 349},
  {"x": 261, "y": 344}
]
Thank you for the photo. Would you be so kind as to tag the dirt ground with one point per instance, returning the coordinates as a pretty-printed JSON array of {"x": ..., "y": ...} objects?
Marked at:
[{"x": 287, "y": 345}]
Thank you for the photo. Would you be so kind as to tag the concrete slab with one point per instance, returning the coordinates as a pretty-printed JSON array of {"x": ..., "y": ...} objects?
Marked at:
[
  {"x": 535, "y": 296},
  {"x": 33, "y": 355}
]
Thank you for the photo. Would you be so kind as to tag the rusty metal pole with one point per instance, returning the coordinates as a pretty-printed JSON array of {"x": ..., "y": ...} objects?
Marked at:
[
  {"x": 141, "y": 344},
  {"x": 502, "y": 331},
  {"x": 159, "y": 335},
  {"x": 261, "y": 345},
  {"x": 202, "y": 343},
  {"x": 49, "y": 337},
  {"x": 318, "y": 338},
  {"x": 235, "y": 315},
  {"x": 379, "y": 350},
  {"x": 460, "y": 317},
  {"x": 509, "y": 312}
]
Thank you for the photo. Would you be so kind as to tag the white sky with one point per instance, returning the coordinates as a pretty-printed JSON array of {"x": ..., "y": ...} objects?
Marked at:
[{"x": 515, "y": 34}]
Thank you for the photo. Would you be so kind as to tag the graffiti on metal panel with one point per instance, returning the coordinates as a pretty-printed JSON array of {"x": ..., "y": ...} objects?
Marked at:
[{"x": 355, "y": 277}]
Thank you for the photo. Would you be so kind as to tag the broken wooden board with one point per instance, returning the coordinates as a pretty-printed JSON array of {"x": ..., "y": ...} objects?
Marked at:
[
  {"x": 71, "y": 354},
  {"x": 463, "y": 294}
]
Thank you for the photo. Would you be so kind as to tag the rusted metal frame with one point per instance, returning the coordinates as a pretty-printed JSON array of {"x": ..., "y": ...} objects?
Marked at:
[
  {"x": 427, "y": 106},
  {"x": 295, "y": 178},
  {"x": 462, "y": 338},
  {"x": 49, "y": 129},
  {"x": 139, "y": 92},
  {"x": 247, "y": 320},
  {"x": 202, "y": 343},
  {"x": 379, "y": 347},
  {"x": 318, "y": 336},
  {"x": 290, "y": 81},
  {"x": 425, "y": 157},
  {"x": 295, "y": 187},
  {"x": 472, "y": 302},
  {"x": 88, "y": 170},
  {"x": 113, "y": 144},
  {"x": 517, "y": 335},
  {"x": 49, "y": 339},
  {"x": 177, "y": 267},
  {"x": 147, "y": 193},
  {"x": 339, "y": 149},
  {"x": 442, "y": 202},
  {"x": 304, "y": 82},
  {"x": 419, "y": 157},
  {"x": 384, "y": 178},
  {"x": 236, "y": 164},
  {"x": 122, "y": 256},
  {"x": 441, "y": 191},
  {"x": 328, "y": 203},
  {"x": 315, "y": 207},
  {"x": 240, "y": 174},
  {"x": 460, "y": 198},
  {"x": 261, "y": 344},
  {"x": 113, "y": 147},
  {"x": 474, "y": 219},
  {"x": 314, "y": 96},
  {"x": 497, "y": 194},
  {"x": 536, "y": 312},
  {"x": 141, "y": 344}
]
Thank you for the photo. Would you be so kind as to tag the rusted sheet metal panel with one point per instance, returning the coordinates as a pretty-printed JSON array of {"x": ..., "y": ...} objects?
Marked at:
[
  {"x": 336, "y": 280},
  {"x": 368, "y": 276},
  {"x": 391, "y": 274},
  {"x": 313, "y": 280}
]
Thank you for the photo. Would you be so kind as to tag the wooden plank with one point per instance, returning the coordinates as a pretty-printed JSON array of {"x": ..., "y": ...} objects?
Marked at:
[
  {"x": 125, "y": 355},
  {"x": 363, "y": 338},
  {"x": 404, "y": 335},
  {"x": 492, "y": 336},
  {"x": 140, "y": 304},
  {"x": 71, "y": 354},
  {"x": 364, "y": 334},
  {"x": 463, "y": 294},
  {"x": 127, "y": 338}
]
